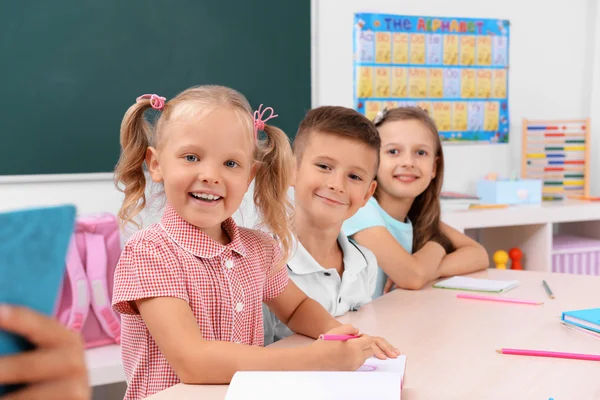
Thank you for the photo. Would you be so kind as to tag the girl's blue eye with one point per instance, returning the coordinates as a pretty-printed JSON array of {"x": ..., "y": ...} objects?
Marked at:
[
  {"x": 355, "y": 177},
  {"x": 191, "y": 158},
  {"x": 231, "y": 164}
]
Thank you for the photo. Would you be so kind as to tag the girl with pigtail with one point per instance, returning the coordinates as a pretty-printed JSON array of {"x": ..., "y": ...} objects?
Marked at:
[{"x": 190, "y": 288}]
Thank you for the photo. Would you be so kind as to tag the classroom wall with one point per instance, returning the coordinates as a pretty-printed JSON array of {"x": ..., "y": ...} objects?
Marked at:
[
  {"x": 595, "y": 99},
  {"x": 550, "y": 75},
  {"x": 554, "y": 73},
  {"x": 90, "y": 193},
  {"x": 97, "y": 195}
]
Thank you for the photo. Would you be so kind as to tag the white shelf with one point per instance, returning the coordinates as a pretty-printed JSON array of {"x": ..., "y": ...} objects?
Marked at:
[
  {"x": 104, "y": 365},
  {"x": 530, "y": 228},
  {"x": 548, "y": 212}
]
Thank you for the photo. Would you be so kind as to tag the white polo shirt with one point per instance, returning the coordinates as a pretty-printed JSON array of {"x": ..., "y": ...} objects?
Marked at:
[{"x": 336, "y": 294}]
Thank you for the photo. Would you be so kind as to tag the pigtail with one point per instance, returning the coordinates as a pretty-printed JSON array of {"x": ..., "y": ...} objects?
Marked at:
[
  {"x": 129, "y": 172},
  {"x": 272, "y": 181}
]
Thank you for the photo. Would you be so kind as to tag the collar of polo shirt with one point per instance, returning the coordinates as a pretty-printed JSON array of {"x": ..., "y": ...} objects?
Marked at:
[{"x": 303, "y": 263}]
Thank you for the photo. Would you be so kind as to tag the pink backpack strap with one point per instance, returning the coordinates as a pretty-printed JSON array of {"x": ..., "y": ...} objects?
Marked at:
[
  {"x": 97, "y": 276},
  {"x": 79, "y": 288}
]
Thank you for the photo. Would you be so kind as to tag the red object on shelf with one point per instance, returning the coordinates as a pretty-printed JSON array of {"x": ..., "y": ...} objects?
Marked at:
[{"x": 515, "y": 255}]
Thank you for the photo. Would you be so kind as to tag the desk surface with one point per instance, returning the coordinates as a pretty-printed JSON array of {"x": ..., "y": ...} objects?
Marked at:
[{"x": 450, "y": 343}]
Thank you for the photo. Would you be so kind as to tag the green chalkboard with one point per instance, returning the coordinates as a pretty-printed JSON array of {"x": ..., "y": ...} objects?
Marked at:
[{"x": 71, "y": 68}]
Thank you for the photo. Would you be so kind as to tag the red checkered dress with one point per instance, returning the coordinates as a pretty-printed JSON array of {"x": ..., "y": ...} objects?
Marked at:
[{"x": 224, "y": 286}]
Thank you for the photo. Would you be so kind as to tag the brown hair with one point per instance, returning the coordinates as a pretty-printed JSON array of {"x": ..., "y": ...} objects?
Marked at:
[
  {"x": 425, "y": 210},
  {"x": 272, "y": 154},
  {"x": 340, "y": 121}
]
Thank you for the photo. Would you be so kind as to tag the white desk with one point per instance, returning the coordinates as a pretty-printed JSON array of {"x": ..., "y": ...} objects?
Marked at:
[
  {"x": 450, "y": 343},
  {"x": 530, "y": 228},
  {"x": 104, "y": 365}
]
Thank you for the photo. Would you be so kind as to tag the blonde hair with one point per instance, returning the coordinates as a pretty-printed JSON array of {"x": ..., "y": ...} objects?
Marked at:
[
  {"x": 425, "y": 210},
  {"x": 272, "y": 155}
]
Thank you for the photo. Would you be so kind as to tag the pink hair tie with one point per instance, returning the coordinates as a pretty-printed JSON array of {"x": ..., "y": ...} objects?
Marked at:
[
  {"x": 259, "y": 122},
  {"x": 157, "y": 102}
]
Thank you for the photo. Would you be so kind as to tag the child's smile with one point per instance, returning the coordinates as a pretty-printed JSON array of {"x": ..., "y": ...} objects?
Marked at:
[
  {"x": 331, "y": 200},
  {"x": 206, "y": 197},
  {"x": 406, "y": 178}
]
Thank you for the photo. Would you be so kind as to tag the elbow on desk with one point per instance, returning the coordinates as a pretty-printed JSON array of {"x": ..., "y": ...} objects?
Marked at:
[
  {"x": 482, "y": 257},
  {"x": 197, "y": 369},
  {"x": 413, "y": 284},
  {"x": 188, "y": 374},
  {"x": 415, "y": 281},
  {"x": 201, "y": 376}
]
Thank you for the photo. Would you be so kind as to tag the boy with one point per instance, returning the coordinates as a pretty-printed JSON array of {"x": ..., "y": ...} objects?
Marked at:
[{"x": 337, "y": 156}]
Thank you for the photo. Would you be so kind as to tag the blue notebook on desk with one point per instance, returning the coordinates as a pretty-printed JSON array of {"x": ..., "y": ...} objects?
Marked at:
[
  {"x": 33, "y": 250},
  {"x": 588, "y": 319}
]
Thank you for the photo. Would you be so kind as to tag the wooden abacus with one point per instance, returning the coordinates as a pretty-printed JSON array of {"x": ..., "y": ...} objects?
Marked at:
[{"x": 558, "y": 153}]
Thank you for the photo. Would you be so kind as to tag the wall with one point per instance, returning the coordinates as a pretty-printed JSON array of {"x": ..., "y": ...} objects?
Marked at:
[
  {"x": 595, "y": 98},
  {"x": 554, "y": 73},
  {"x": 551, "y": 55}
]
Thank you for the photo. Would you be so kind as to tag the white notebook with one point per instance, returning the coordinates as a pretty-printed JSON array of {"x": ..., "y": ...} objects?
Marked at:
[
  {"x": 477, "y": 285},
  {"x": 376, "y": 379}
]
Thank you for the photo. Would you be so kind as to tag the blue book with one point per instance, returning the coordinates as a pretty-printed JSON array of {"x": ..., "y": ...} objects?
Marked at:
[
  {"x": 587, "y": 319},
  {"x": 33, "y": 250}
]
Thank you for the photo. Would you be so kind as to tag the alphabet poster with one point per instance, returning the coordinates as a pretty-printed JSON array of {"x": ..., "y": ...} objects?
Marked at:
[{"x": 455, "y": 68}]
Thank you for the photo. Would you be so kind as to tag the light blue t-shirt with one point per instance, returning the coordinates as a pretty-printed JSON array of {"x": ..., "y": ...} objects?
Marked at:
[{"x": 373, "y": 215}]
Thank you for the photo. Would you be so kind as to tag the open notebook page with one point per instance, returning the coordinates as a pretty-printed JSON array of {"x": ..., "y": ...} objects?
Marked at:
[
  {"x": 376, "y": 379},
  {"x": 475, "y": 284}
]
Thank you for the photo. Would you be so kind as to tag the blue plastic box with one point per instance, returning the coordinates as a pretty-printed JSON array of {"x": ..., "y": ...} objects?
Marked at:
[{"x": 523, "y": 191}]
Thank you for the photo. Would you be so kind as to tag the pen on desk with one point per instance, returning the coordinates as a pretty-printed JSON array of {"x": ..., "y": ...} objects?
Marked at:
[
  {"x": 497, "y": 298},
  {"x": 540, "y": 353},
  {"x": 337, "y": 337},
  {"x": 550, "y": 294}
]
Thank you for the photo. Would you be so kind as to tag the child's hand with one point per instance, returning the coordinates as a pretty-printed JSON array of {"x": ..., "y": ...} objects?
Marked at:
[
  {"x": 55, "y": 369},
  {"x": 383, "y": 349},
  {"x": 349, "y": 355}
]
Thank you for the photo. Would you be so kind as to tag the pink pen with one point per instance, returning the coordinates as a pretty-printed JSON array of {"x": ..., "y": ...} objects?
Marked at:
[
  {"x": 494, "y": 298},
  {"x": 337, "y": 337},
  {"x": 540, "y": 353}
]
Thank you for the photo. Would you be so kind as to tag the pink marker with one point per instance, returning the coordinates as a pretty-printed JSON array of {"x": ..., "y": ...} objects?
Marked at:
[
  {"x": 338, "y": 337},
  {"x": 494, "y": 298}
]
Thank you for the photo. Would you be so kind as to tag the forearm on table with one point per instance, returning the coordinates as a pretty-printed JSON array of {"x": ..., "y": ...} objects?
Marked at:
[
  {"x": 464, "y": 261},
  {"x": 215, "y": 362},
  {"x": 422, "y": 267},
  {"x": 311, "y": 319}
]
